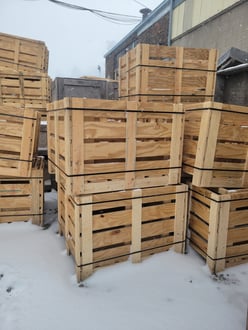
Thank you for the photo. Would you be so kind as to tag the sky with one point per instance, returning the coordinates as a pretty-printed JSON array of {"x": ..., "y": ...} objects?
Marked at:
[{"x": 77, "y": 40}]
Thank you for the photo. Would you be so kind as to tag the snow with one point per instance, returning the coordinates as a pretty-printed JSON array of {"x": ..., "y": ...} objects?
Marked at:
[{"x": 167, "y": 291}]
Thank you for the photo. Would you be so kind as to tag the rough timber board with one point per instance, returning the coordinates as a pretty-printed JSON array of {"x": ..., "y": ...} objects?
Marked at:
[
  {"x": 111, "y": 145},
  {"x": 167, "y": 74},
  {"x": 140, "y": 222},
  {"x": 18, "y": 140},
  {"x": 219, "y": 234},
  {"x": 23, "y": 54},
  {"x": 215, "y": 149},
  {"x": 22, "y": 199}
]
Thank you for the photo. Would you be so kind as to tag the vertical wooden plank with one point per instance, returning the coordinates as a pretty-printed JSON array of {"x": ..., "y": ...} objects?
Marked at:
[
  {"x": 27, "y": 144},
  {"x": 17, "y": 44},
  {"x": 136, "y": 225},
  {"x": 50, "y": 137},
  {"x": 245, "y": 172},
  {"x": 176, "y": 145},
  {"x": 68, "y": 141},
  {"x": 61, "y": 194},
  {"x": 138, "y": 71},
  {"x": 178, "y": 74},
  {"x": 211, "y": 76},
  {"x": 142, "y": 73},
  {"x": 218, "y": 229},
  {"x": 206, "y": 146},
  {"x": 77, "y": 143},
  {"x": 131, "y": 127},
  {"x": 56, "y": 143},
  {"x": 181, "y": 212},
  {"x": 84, "y": 244},
  {"x": 37, "y": 189}
]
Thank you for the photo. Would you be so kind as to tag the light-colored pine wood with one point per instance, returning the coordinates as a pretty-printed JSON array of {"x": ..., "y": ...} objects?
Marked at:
[
  {"x": 22, "y": 198},
  {"x": 180, "y": 225},
  {"x": 219, "y": 226},
  {"x": 136, "y": 225},
  {"x": 105, "y": 228}
]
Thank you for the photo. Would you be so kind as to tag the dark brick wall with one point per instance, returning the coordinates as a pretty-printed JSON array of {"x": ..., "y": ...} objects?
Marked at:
[{"x": 155, "y": 34}]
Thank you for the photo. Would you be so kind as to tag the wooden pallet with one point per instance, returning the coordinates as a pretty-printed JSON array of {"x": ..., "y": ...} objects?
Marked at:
[
  {"x": 29, "y": 90},
  {"x": 167, "y": 74},
  {"x": 22, "y": 54},
  {"x": 215, "y": 150},
  {"x": 102, "y": 229},
  {"x": 106, "y": 145},
  {"x": 219, "y": 226},
  {"x": 22, "y": 199},
  {"x": 18, "y": 140}
]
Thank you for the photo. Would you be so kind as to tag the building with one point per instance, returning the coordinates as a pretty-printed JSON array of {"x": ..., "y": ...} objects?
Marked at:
[
  {"x": 153, "y": 29},
  {"x": 220, "y": 24}
]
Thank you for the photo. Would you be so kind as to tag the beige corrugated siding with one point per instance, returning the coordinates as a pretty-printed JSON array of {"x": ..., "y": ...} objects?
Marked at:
[{"x": 200, "y": 10}]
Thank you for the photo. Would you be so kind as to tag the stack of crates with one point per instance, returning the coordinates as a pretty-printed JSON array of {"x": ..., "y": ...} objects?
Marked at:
[
  {"x": 215, "y": 155},
  {"x": 24, "y": 92},
  {"x": 118, "y": 169}
]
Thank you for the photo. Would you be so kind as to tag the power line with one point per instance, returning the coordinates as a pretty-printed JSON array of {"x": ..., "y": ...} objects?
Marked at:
[
  {"x": 141, "y": 4},
  {"x": 113, "y": 17}
]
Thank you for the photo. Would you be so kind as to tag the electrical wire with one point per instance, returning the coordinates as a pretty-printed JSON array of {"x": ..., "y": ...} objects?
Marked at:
[
  {"x": 140, "y": 3},
  {"x": 113, "y": 17}
]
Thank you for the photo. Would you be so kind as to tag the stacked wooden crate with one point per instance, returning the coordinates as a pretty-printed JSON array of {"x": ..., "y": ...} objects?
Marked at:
[
  {"x": 216, "y": 156},
  {"x": 24, "y": 93},
  {"x": 23, "y": 73},
  {"x": 118, "y": 168},
  {"x": 215, "y": 142},
  {"x": 167, "y": 74}
]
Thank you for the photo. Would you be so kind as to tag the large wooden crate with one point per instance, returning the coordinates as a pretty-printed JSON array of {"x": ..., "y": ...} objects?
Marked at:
[
  {"x": 22, "y": 199},
  {"x": 23, "y": 54},
  {"x": 102, "y": 229},
  {"x": 167, "y": 74},
  {"x": 103, "y": 145},
  {"x": 219, "y": 226},
  {"x": 29, "y": 90},
  {"x": 215, "y": 150},
  {"x": 18, "y": 140}
]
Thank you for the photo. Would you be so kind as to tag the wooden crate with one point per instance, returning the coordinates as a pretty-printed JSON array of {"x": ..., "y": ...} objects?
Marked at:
[
  {"x": 18, "y": 140},
  {"x": 22, "y": 199},
  {"x": 102, "y": 229},
  {"x": 215, "y": 150},
  {"x": 106, "y": 145},
  {"x": 167, "y": 74},
  {"x": 22, "y": 54},
  {"x": 219, "y": 226},
  {"x": 29, "y": 90}
]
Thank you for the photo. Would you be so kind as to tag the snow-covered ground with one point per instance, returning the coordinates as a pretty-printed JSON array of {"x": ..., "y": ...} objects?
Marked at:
[{"x": 167, "y": 291}]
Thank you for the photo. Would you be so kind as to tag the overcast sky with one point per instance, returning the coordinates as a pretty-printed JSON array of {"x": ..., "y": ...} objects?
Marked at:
[{"x": 77, "y": 40}]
